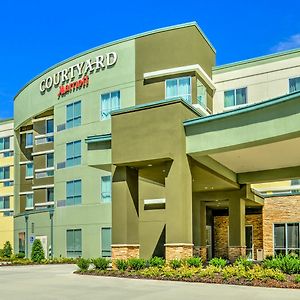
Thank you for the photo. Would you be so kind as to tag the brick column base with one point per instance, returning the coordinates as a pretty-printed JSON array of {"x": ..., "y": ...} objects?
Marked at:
[
  {"x": 178, "y": 251},
  {"x": 201, "y": 251},
  {"x": 235, "y": 252},
  {"x": 125, "y": 251}
]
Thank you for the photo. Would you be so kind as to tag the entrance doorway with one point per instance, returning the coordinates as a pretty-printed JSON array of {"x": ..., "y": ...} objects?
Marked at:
[
  {"x": 209, "y": 241},
  {"x": 249, "y": 241}
]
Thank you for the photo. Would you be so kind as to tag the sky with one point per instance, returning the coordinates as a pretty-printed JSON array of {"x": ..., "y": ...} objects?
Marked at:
[{"x": 38, "y": 34}]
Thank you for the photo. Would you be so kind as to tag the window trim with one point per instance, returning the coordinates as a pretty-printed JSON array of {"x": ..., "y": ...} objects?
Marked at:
[
  {"x": 73, "y": 117},
  {"x": 101, "y": 241},
  {"x": 73, "y": 230},
  {"x": 9, "y": 174},
  {"x": 73, "y": 157},
  {"x": 225, "y": 108},
  {"x": 294, "y": 77},
  {"x": 101, "y": 197},
  {"x": 109, "y": 92},
  {"x": 177, "y": 78},
  {"x": 286, "y": 236},
  {"x": 73, "y": 195},
  {"x": 33, "y": 138}
]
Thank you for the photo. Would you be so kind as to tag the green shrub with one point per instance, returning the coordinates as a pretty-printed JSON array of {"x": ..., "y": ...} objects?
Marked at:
[
  {"x": 247, "y": 264},
  {"x": 136, "y": 264},
  {"x": 20, "y": 255},
  {"x": 156, "y": 262},
  {"x": 100, "y": 263},
  {"x": 287, "y": 264},
  {"x": 194, "y": 262},
  {"x": 218, "y": 262},
  {"x": 37, "y": 251},
  {"x": 83, "y": 264},
  {"x": 7, "y": 249},
  {"x": 175, "y": 263},
  {"x": 297, "y": 279},
  {"x": 1, "y": 253},
  {"x": 121, "y": 264}
]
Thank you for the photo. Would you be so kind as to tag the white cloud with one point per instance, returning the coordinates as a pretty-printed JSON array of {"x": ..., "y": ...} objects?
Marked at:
[{"x": 290, "y": 43}]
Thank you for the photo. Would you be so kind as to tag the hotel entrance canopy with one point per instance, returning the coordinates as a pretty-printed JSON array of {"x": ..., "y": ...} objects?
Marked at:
[{"x": 257, "y": 143}]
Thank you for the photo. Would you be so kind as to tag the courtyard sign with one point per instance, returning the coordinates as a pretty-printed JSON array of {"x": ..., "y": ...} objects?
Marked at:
[{"x": 64, "y": 79}]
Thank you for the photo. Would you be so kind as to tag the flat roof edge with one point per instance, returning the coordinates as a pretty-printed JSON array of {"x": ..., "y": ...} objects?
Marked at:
[
  {"x": 257, "y": 60},
  {"x": 155, "y": 104},
  {"x": 242, "y": 110},
  {"x": 6, "y": 120},
  {"x": 118, "y": 41}
]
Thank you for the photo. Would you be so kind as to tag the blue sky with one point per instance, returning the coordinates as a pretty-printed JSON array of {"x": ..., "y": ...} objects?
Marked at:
[{"x": 37, "y": 34}]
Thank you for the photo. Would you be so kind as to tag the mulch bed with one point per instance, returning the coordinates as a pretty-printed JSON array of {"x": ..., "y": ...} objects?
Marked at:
[{"x": 271, "y": 283}]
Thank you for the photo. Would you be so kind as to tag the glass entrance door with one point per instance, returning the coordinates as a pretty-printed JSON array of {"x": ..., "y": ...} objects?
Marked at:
[
  {"x": 249, "y": 241},
  {"x": 209, "y": 242}
]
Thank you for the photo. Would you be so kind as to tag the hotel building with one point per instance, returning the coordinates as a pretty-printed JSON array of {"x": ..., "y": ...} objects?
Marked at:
[
  {"x": 6, "y": 181},
  {"x": 145, "y": 147}
]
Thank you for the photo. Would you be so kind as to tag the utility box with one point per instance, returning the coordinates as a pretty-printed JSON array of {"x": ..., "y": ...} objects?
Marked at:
[{"x": 260, "y": 254}]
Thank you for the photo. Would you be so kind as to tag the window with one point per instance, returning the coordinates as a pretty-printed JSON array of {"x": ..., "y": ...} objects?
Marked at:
[
  {"x": 4, "y": 143},
  {"x": 73, "y": 114},
  {"x": 106, "y": 189},
  {"x": 29, "y": 140},
  {"x": 50, "y": 160},
  {"x": 109, "y": 102},
  {"x": 4, "y": 202},
  {"x": 293, "y": 183},
  {"x": 50, "y": 126},
  {"x": 8, "y": 183},
  {"x": 73, "y": 192},
  {"x": 286, "y": 239},
  {"x": 74, "y": 247},
  {"x": 294, "y": 84},
  {"x": 21, "y": 242},
  {"x": 235, "y": 97},
  {"x": 106, "y": 242},
  {"x": 179, "y": 87},
  {"x": 201, "y": 94},
  {"x": 4, "y": 173},
  {"x": 8, "y": 154},
  {"x": 50, "y": 194},
  {"x": 29, "y": 170},
  {"x": 29, "y": 201},
  {"x": 73, "y": 154}
]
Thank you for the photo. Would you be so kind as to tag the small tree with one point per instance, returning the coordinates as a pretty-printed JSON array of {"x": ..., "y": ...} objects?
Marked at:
[
  {"x": 37, "y": 251},
  {"x": 7, "y": 249}
]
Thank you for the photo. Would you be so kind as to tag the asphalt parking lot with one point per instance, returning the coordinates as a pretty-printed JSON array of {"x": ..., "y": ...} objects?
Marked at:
[{"x": 58, "y": 282}]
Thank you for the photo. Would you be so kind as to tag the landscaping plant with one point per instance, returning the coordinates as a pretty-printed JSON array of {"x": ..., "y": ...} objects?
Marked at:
[
  {"x": 246, "y": 263},
  {"x": 218, "y": 262},
  {"x": 100, "y": 263},
  {"x": 83, "y": 264},
  {"x": 37, "y": 251},
  {"x": 121, "y": 264},
  {"x": 7, "y": 249},
  {"x": 136, "y": 264},
  {"x": 175, "y": 263},
  {"x": 156, "y": 262},
  {"x": 194, "y": 262}
]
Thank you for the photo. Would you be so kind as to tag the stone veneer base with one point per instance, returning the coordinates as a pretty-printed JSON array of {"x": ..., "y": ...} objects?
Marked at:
[
  {"x": 178, "y": 251},
  {"x": 125, "y": 251},
  {"x": 235, "y": 252}
]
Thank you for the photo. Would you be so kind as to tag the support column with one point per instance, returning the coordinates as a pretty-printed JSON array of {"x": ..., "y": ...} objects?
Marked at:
[
  {"x": 237, "y": 244},
  {"x": 179, "y": 210},
  {"x": 125, "y": 213},
  {"x": 199, "y": 229}
]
